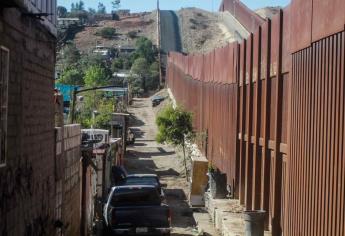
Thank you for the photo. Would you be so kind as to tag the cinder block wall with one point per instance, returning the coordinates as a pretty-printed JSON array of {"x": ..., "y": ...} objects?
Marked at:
[
  {"x": 27, "y": 182},
  {"x": 71, "y": 184}
]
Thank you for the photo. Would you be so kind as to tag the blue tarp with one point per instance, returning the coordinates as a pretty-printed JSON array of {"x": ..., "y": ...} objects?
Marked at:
[{"x": 66, "y": 90}]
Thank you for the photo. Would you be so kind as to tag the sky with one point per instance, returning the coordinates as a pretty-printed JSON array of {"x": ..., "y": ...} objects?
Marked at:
[{"x": 148, "y": 5}]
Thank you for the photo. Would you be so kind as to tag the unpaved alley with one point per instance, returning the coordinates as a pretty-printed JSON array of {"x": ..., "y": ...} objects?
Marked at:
[{"x": 147, "y": 156}]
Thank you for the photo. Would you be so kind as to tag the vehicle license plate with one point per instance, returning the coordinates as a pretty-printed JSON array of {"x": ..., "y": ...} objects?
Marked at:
[{"x": 141, "y": 230}]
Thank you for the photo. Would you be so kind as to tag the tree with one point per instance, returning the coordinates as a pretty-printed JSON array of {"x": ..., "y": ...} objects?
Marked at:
[
  {"x": 140, "y": 67},
  {"x": 127, "y": 64},
  {"x": 153, "y": 81},
  {"x": 92, "y": 11},
  {"x": 116, "y": 4},
  {"x": 93, "y": 59},
  {"x": 145, "y": 49},
  {"x": 70, "y": 55},
  {"x": 154, "y": 70},
  {"x": 117, "y": 64},
  {"x": 101, "y": 8},
  {"x": 61, "y": 11},
  {"x": 95, "y": 76},
  {"x": 175, "y": 127},
  {"x": 71, "y": 77},
  {"x": 78, "y": 6},
  {"x": 105, "y": 110}
]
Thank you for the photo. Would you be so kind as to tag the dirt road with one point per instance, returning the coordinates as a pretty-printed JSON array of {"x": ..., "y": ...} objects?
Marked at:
[{"x": 147, "y": 156}]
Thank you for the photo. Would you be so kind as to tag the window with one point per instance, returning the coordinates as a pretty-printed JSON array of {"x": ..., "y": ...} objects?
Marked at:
[{"x": 4, "y": 74}]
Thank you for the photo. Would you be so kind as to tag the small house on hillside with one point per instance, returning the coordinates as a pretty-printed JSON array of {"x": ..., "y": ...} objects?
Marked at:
[
  {"x": 66, "y": 22},
  {"x": 103, "y": 51},
  {"x": 125, "y": 50},
  {"x": 123, "y": 12}
]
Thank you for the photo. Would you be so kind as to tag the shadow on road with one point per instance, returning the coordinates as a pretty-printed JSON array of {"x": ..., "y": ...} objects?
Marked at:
[
  {"x": 175, "y": 194},
  {"x": 139, "y": 144},
  {"x": 135, "y": 121},
  {"x": 169, "y": 172},
  {"x": 136, "y": 154},
  {"x": 136, "y": 165},
  {"x": 182, "y": 214}
]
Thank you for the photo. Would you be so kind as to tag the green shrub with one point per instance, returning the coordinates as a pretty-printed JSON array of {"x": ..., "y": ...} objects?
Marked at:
[
  {"x": 132, "y": 34},
  {"x": 107, "y": 32}
]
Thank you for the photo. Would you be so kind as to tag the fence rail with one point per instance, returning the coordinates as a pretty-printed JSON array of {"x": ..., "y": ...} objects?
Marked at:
[{"x": 273, "y": 111}]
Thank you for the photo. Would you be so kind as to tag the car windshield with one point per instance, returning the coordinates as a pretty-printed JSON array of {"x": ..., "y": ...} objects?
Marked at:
[
  {"x": 141, "y": 181},
  {"x": 135, "y": 196}
]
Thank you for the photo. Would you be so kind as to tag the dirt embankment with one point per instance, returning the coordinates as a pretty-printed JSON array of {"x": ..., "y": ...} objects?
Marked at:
[
  {"x": 144, "y": 25},
  {"x": 267, "y": 12},
  {"x": 201, "y": 30}
]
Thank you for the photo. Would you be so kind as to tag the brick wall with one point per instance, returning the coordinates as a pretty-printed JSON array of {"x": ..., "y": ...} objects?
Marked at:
[{"x": 27, "y": 182}]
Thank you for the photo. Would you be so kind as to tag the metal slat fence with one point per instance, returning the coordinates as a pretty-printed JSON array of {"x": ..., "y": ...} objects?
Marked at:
[{"x": 273, "y": 111}]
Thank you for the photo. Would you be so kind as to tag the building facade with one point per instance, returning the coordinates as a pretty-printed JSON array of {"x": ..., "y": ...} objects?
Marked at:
[{"x": 27, "y": 136}]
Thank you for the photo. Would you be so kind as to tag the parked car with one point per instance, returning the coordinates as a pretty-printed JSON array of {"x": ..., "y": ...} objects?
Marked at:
[
  {"x": 143, "y": 179},
  {"x": 136, "y": 210},
  {"x": 156, "y": 100}
]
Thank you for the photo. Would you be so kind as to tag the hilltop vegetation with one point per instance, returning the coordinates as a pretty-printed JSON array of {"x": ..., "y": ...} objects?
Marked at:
[{"x": 93, "y": 70}]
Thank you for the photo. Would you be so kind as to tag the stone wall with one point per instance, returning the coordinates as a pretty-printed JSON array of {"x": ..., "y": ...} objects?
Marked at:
[{"x": 27, "y": 182}]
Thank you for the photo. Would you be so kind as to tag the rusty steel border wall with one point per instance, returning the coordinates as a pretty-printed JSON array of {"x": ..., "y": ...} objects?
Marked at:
[
  {"x": 273, "y": 111},
  {"x": 249, "y": 19}
]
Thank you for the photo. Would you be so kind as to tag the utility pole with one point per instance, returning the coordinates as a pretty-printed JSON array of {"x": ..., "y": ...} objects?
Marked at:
[{"x": 159, "y": 44}]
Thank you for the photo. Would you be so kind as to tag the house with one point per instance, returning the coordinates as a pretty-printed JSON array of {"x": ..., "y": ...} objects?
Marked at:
[
  {"x": 102, "y": 50},
  {"x": 27, "y": 133},
  {"x": 66, "y": 22},
  {"x": 123, "y": 12},
  {"x": 126, "y": 50}
]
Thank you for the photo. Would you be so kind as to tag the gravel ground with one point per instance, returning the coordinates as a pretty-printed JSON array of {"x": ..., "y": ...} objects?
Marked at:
[{"x": 147, "y": 156}]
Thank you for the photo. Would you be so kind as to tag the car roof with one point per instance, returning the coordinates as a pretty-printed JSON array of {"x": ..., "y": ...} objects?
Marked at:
[
  {"x": 134, "y": 186},
  {"x": 140, "y": 181},
  {"x": 157, "y": 97},
  {"x": 141, "y": 175}
]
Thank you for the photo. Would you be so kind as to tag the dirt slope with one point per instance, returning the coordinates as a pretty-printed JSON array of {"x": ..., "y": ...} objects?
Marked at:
[
  {"x": 203, "y": 31},
  {"x": 267, "y": 12},
  {"x": 144, "y": 25}
]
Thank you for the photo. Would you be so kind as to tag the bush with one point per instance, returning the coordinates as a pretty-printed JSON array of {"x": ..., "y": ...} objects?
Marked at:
[
  {"x": 132, "y": 34},
  {"x": 117, "y": 64},
  {"x": 107, "y": 32},
  {"x": 71, "y": 76}
]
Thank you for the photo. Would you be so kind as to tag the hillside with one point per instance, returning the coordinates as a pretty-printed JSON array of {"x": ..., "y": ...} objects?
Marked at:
[
  {"x": 200, "y": 30},
  {"x": 267, "y": 12},
  {"x": 144, "y": 24},
  {"x": 203, "y": 31}
]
